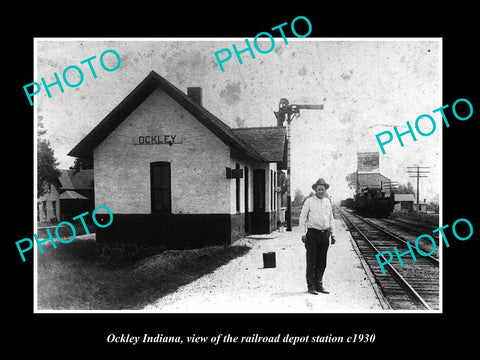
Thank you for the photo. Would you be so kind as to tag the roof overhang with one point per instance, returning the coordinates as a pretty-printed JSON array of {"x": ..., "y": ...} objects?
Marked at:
[{"x": 84, "y": 149}]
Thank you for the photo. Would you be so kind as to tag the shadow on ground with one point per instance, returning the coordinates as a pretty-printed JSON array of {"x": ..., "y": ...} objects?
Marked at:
[{"x": 75, "y": 276}]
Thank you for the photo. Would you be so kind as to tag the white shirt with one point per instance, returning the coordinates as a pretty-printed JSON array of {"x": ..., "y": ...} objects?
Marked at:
[{"x": 317, "y": 214}]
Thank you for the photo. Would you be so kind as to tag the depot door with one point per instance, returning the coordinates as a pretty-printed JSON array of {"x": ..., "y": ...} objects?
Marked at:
[
  {"x": 258, "y": 215},
  {"x": 247, "y": 212}
]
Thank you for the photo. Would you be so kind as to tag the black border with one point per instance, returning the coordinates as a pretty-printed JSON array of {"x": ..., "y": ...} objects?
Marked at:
[{"x": 86, "y": 333}]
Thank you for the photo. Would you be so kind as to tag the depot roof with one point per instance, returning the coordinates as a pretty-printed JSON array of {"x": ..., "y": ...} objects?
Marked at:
[
  {"x": 270, "y": 142},
  {"x": 72, "y": 195},
  {"x": 84, "y": 149},
  {"x": 371, "y": 179},
  {"x": 404, "y": 197},
  {"x": 76, "y": 180}
]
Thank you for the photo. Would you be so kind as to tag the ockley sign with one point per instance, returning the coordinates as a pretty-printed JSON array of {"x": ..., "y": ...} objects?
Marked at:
[{"x": 157, "y": 139}]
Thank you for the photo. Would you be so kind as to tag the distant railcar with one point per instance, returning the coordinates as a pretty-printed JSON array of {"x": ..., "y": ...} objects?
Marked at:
[
  {"x": 348, "y": 203},
  {"x": 372, "y": 202}
]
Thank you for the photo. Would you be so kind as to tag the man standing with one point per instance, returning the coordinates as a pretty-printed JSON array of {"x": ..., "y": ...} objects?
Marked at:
[{"x": 317, "y": 225}]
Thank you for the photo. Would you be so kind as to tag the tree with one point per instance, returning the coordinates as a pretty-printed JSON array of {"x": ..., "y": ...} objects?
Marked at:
[
  {"x": 405, "y": 189},
  {"x": 80, "y": 164},
  {"x": 47, "y": 171},
  {"x": 352, "y": 180},
  {"x": 298, "y": 198}
]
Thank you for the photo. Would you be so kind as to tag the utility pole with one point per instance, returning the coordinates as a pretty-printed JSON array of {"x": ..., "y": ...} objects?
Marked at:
[
  {"x": 418, "y": 176},
  {"x": 288, "y": 112}
]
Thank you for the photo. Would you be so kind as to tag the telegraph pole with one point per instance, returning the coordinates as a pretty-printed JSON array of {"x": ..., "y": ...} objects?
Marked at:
[
  {"x": 418, "y": 176},
  {"x": 288, "y": 112}
]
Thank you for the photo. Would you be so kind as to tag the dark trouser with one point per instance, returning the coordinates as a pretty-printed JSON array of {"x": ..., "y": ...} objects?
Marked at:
[{"x": 317, "y": 244}]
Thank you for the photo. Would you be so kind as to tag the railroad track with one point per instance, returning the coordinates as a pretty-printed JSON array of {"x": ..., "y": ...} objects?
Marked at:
[
  {"x": 412, "y": 228},
  {"x": 405, "y": 233},
  {"x": 415, "y": 286}
]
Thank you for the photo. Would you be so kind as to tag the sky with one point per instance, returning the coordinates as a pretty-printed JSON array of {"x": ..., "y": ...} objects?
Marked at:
[{"x": 366, "y": 86}]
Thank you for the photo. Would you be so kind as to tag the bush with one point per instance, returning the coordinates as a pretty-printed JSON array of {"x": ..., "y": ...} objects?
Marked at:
[
  {"x": 126, "y": 253},
  {"x": 85, "y": 276}
]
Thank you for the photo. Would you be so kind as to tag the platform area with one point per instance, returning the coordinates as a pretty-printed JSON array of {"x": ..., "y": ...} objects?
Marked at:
[{"x": 245, "y": 286}]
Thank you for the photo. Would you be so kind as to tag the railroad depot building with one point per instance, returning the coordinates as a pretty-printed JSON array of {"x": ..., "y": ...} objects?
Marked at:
[
  {"x": 171, "y": 172},
  {"x": 403, "y": 202},
  {"x": 373, "y": 180},
  {"x": 67, "y": 196}
]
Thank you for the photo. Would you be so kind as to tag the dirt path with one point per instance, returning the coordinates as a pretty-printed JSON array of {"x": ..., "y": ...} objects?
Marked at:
[{"x": 245, "y": 286}]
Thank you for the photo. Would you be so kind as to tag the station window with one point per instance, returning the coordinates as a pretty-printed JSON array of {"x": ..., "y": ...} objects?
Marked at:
[
  {"x": 161, "y": 190},
  {"x": 271, "y": 190},
  {"x": 246, "y": 190},
  {"x": 54, "y": 209},
  {"x": 44, "y": 205},
  {"x": 237, "y": 190},
  {"x": 274, "y": 192}
]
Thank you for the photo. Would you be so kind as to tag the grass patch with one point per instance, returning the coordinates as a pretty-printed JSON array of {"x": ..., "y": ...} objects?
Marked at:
[
  {"x": 77, "y": 276},
  {"x": 429, "y": 219},
  {"x": 296, "y": 210}
]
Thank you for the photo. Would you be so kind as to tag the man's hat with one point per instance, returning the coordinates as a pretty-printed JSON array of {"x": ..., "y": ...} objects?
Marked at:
[{"x": 320, "y": 182}]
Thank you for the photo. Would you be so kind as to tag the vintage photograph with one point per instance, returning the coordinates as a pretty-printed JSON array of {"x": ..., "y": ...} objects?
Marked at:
[{"x": 293, "y": 177}]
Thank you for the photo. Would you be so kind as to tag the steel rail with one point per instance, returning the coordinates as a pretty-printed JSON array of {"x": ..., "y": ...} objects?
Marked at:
[
  {"x": 403, "y": 225},
  {"x": 400, "y": 240},
  {"x": 410, "y": 223},
  {"x": 412, "y": 293}
]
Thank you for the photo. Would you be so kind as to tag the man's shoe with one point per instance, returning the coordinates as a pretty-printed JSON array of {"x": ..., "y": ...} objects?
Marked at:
[
  {"x": 322, "y": 290},
  {"x": 313, "y": 291}
]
